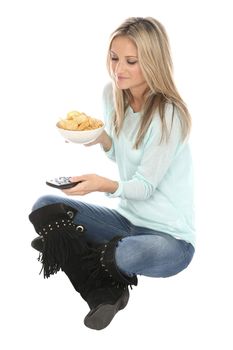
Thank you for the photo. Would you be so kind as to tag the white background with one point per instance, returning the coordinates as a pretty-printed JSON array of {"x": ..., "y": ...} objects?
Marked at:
[{"x": 52, "y": 61}]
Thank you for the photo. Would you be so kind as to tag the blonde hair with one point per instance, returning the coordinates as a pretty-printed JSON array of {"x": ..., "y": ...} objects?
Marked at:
[{"x": 155, "y": 61}]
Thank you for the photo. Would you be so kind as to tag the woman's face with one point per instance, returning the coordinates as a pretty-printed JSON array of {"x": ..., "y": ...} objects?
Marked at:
[{"x": 124, "y": 65}]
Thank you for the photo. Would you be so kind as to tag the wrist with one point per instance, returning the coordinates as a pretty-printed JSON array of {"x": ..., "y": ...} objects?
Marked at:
[
  {"x": 109, "y": 186},
  {"x": 106, "y": 142}
]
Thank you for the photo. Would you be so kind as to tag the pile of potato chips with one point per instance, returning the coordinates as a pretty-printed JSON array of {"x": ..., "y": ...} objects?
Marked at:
[{"x": 78, "y": 121}]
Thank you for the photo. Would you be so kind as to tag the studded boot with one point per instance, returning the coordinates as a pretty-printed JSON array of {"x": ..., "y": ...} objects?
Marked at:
[
  {"x": 59, "y": 238},
  {"x": 92, "y": 270},
  {"x": 110, "y": 293}
]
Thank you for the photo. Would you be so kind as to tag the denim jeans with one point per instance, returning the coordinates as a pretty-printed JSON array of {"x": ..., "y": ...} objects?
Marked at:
[{"x": 141, "y": 251}]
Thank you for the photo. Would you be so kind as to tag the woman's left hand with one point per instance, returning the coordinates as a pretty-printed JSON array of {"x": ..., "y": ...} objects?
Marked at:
[{"x": 91, "y": 183}]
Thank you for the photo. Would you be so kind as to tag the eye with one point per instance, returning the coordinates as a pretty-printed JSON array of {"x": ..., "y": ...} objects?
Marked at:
[
  {"x": 112, "y": 55},
  {"x": 131, "y": 62}
]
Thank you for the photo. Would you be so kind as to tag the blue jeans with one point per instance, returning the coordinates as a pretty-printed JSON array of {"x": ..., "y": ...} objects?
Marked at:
[{"x": 142, "y": 251}]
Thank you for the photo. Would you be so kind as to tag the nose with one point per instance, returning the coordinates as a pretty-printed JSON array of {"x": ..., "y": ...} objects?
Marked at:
[{"x": 120, "y": 67}]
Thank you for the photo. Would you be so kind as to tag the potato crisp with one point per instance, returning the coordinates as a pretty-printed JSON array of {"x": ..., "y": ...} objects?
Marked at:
[{"x": 78, "y": 121}]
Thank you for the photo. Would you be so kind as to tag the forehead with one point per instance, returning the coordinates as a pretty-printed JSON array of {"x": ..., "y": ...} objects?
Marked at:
[{"x": 124, "y": 45}]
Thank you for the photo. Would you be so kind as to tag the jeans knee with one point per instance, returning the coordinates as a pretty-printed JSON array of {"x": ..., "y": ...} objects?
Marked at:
[{"x": 45, "y": 200}]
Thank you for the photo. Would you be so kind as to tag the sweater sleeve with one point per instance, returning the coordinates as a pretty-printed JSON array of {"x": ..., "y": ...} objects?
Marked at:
[{"x": 156, "y": 159}]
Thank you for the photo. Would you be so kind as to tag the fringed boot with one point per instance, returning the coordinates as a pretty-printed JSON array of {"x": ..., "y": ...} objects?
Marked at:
[
  {"x": 92, "y": 270},
  {"x": 59, "y": 238},
  {"x": 110, "y": 294}
]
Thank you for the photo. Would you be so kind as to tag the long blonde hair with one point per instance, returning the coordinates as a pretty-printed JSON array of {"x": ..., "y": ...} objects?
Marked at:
[{"x": 155, "y": 61}]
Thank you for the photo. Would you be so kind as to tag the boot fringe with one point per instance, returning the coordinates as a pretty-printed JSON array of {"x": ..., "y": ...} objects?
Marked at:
[{"x": 61, "y": 239}]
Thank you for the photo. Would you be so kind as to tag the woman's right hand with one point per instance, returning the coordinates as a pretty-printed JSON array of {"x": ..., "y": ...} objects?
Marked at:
[{"x": 104, "y": 139}]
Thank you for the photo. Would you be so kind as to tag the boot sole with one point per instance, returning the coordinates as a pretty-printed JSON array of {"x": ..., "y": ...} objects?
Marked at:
[{"x": 100, "y": 317}]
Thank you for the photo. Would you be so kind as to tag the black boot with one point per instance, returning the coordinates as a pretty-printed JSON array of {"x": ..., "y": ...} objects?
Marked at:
[
  {"x": 59, "y": 237},
  {"x": 37, "y": 244},
  {"x": 104, "y": 303},
  {"x": 111, "y": 294},
  {"x": 92, "y": 270}
]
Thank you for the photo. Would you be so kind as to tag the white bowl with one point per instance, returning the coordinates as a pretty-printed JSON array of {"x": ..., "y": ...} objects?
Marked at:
[{"x": 84, "y": 136}]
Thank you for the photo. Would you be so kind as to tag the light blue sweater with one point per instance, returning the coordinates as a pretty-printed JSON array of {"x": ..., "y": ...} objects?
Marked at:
[{"x": 156, "y": 180}]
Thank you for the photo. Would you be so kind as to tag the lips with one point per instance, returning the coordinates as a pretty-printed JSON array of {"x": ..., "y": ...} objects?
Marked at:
[{"x": 121, "y": 78}]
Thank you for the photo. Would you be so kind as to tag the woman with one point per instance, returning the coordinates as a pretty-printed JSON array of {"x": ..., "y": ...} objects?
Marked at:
[{"x": 151, "y": 232}]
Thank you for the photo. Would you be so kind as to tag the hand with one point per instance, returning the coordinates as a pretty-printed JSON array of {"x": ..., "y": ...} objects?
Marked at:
[
  {"x": 104, "y": 139},
  {"x": 91, "y": 183}
]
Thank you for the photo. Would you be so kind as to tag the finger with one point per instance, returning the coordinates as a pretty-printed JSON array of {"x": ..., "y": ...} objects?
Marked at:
[
  {"x": 90, "y": 144},
  {"x": 70, "y": 191},
  {"x": 77, "y": 178},
  {"x": 75, "y": 193}
]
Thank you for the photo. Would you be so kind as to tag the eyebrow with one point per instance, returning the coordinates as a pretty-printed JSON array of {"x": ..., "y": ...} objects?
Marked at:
[{"x": 125, "y": 56}]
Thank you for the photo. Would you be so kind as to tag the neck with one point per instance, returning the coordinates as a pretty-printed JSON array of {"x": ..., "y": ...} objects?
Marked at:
[
  {"x": 136, "y": 106},
  {"x": 137, "y": 100}
]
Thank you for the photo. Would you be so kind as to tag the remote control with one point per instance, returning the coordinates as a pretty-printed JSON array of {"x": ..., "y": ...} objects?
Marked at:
[{"x": 61, "y": 182}]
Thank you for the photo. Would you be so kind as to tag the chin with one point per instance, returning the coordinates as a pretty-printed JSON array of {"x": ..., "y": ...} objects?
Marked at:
[{"x": 122, "y": 85}]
